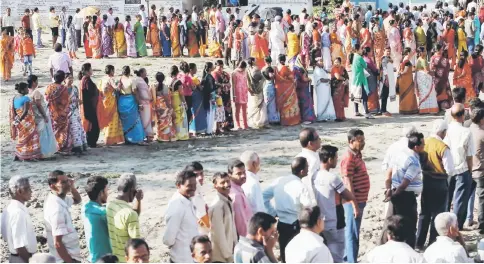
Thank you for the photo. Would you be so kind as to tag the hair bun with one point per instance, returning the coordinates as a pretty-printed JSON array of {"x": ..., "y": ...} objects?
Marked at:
[{"x": 17, "y": 86}]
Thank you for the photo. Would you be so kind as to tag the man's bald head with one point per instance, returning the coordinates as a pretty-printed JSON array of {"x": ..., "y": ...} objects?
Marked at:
[{"x": 457, "y": 111}]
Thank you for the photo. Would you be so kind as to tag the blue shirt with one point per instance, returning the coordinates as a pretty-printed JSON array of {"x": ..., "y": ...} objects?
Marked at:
[
  {"x": 406, "y": 165},
  {"x": 368, "y": 16},
  {"x": 20, "y": 101},
  {"x": 96, "y": 230}
]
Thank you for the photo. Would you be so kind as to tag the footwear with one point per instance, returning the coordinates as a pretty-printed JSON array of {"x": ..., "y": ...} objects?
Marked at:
[
  {"x": 469, "y": 223},
  {"x": 387, "y": 114},
  {"x": 358, "y": 114},
  {"x": 369, "y": 116},
  {"x": 378, "y": 114}
]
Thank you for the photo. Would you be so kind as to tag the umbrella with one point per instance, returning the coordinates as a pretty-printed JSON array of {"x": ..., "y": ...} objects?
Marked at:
[
  {"x": 252, "y": 10},
  {"x": 270, "y": 13},
  {"x": 90, "y": 11}
]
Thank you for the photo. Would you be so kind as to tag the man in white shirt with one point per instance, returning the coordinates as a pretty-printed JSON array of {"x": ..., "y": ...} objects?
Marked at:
[
  {"x": 296, "y": 24},
  {"x": 59, "y": 61},
  {"x": 17, "y": 228},
  {"x": 78, "y": 23},
  {"x": 110, "y": 22},
  {"x": 437, "y": 164},
  {"x": 63, "y": 25},
  {"x": 61, "y": 234},
  {"x": 54, "y": 25},
  {"x": 7, "y": 22},
  {"x": 460, "y": 141},
  {"x": 395, "y": 250},
  {"x": 251, "y": 187},
  {"x": 397, "y": 146},
  {"x": 195, "y": 15},
  {"x": 37, "y": 26},
  {"x": 450, "y": 245},
  {"x": 228, "y": 12},
  {"x": 144, "y": 18},
  {"x": 472, "y": 5},
  {"x": 180, "y": 218},
  {"x": 330, "y": 192},
  {"x": 308, "y": 246},
  {"x": 198, "y": 200},
  {"x": 310, "y": 142},
  {"x": 290, "y": 197}
]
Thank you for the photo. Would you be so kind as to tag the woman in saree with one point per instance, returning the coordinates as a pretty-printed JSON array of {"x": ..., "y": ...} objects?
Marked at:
[
  {"x": 270, "y": 92},
  {"x": 463, "y": 77},
  {"x": 305, "y": 100},
  {"x": 6, "y": 55},
  {"x": 286, "y": 97},
  {"x": 477, "y": 68},
  {"x": 260, "y": 49},
  {"x": 222, "y": 79},
  {"x": 144, "y": 102},
  {"x": 372, "y": 79},
  {"x": 365, "y": 37},
  {"x": 359, "y": 83},
  {"x": 175, "y": 37},
  {"x": 440, "y": 66},
  {"x": 427, "y": 97},
  {"x": 165, "y": 38},
  {"x": 388, "y": 83},
  {"x": 58, "y": 101},
  {"x": 448, "y": 39},
  {"x": 200, "y": 104},
  {"x": 240, "y": 92},
  {"x": 87, "y": 48},
  {"x": 192, "y": 43},
  {"x": 292, "y": 44},
  {"x": 76, "y": 130},
  {"x": 48, "y": 145},
  {"x": 336, "y": 45},
  {"x": 140, "y": 39},
  {"x": 107, "y": 38},
  {"x": 179, "y": 105},
  {"x": 163, "y": 109},
  {"x": 95, "y": 38},
  {"x": 305, "y": 39},
  {"x": 323, "y": 102},
  {"x": 379, "y": 43},
  {"x": 257, "y": 109},
  {"x": 153, "y": 38},
  {"x": 339, "y": 89},
  {"x": 461, "y": 38},
  {"x": 128, "y": 104},
  {"x": 130, "y": 38},
  {"x": 113, "y": 131},
  {"x": 326, "y": 48},
  {"x": 71, "y": 41},
  {"x": 216, "y": 114},
  {"x": 202, "y": 31},
  {"x": 406, "y": 86},
  {"x": 119, "y": 39},
  {"x": 90, "y": 106},
  {"x": 409, "y": 38},
  {"x": 23, "y": 127}
]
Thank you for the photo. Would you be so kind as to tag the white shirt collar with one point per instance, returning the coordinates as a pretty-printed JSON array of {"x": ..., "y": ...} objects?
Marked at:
[
  {"x": 253, "y": 175},
  {"x": 58, "y": 200},
  {"x": 445, "y": 239},
  {"x": 436, "y": 136},
  {"x": 19, "y": 205}
]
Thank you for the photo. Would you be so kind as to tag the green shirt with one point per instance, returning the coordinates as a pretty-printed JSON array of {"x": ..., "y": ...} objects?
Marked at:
[{"x": 123, "y": 224}]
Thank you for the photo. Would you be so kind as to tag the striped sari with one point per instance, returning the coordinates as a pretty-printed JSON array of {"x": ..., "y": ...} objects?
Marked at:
[
  {"x": 120, "y": 41},
  {"x": 286, "y": 97},
  {"x": 164, "y": 116},
  {"x": 25, "y": 132},
  {"x": 58, "y": 101},
  {"x": 113, "y": 132}
]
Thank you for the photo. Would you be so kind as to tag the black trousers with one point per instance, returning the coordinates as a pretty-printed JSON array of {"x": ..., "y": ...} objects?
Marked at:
[
  {"x": 433, "y": 202},
  {"x": 188, "y": 99},
  {"x": 93, "y": 135},
  {"x": 286, "y": 233},
  {"x": 79, "y": 37},
  {"x": 480, "y": 206},
  {"x": 145, "y": 30},
  {"x": 10, "y": 30},
  {"x": 227, "y": 53},
  {"x": 364, "y": 98},
  {"x": 384, "y": 98},
  {"x": 405, "y": 204}
]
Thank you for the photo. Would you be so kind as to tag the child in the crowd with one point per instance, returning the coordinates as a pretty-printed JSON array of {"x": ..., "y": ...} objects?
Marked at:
[{"x": 26, "y": 52}]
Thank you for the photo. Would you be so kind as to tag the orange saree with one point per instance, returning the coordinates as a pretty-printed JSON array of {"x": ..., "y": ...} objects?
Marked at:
[
  {"x": 408, "y": 99},
  {"x": 286, "y": 97},
  {"x": 25, "y": 132},
  {"x": 6, "y": 57},
  {"x": 109, "y": 118},
  {"x": 260, "y": 50},
  {"x": 164, "y": 118},
  {"x": 465, "y": 81},
  {"x": 153, "y": 38},
  {"x": 58, "y": 100}
]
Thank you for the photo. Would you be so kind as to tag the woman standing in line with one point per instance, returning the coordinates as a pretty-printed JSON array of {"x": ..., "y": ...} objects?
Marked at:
[
  {"x": 113, "y": 131},
  {"x": 192, "y": 43},
  {"x": 120, "y": 46},
  {"x": 286, "y": 97},
  {"x": 257, "y": 109},
  {"x": 85, "y": 27},
  {"x": 23, "y": 126},
  {"x": 408, "y": 100},
  {"x": 6, "y": 55},
  {"x": 240, "y": 94},
  {"x": 144, "y": 101},
  {"x": 175, "y": 37},
  {"x": 130, "y": 38},
  {"x": 153, "y": 38},
  {"x": 165, "y": 37},
  {"x": 107, "y": 38},
  {"x": 95, "y": 38},
  {"x": 323, "y": 102},
  {"x": 163, "y": 110},
  {"x": 179, "y": 106},
  {"x": 340, "y": 89},
  {"x": 58, "y": 101},
  {"x": 76, "y": 131},
  {"x": 215, "y": 116},
  {"x": 303, "y": 82},
  {"x": 222, "y": 78},
  {"x": 427, "y": 98},
  {"x": 48, "y": 145},
  {"x": 270, "y": 92},
  {"x": 71, "y": 41},
  {"x": 463, "y": 77},
  {"x": 440, "y": 64},
  {"x": 89, "y": 97},
  {"x": 140, "y": 38},
  {"x": 200, "y": 104}
]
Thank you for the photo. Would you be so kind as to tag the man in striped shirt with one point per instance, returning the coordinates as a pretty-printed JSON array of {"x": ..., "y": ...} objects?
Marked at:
[
  {"x": 123, "y": 220},
  {"x": 357, "y": 181}
]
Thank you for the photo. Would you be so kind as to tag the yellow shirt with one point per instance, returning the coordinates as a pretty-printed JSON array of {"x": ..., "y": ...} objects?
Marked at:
[
  {"x": 53, "y": 20},
  {"x": 292, "y": 44},
  {"x": 123, "y": 224}
]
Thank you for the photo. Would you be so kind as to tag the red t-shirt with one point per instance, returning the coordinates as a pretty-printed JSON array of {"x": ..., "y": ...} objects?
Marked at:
[
  {"x": 187, "y": 83},
  {"x": 353, "y": 169},
  {"x": 26, "y": 22}
]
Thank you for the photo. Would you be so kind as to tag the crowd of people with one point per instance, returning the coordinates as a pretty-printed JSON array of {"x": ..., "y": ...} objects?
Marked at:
[{"x": 312, "y": 213}]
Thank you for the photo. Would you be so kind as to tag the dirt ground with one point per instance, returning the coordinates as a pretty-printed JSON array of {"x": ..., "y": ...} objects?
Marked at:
[{"x": 155, "y": 165}]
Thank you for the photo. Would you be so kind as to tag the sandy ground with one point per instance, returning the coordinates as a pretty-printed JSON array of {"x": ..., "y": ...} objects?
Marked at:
[{"x": 155, "y": 165}]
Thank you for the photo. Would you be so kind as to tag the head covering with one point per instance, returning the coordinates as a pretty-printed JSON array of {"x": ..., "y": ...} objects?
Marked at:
[
  {"x": 439, "y": 125},
  {"x": 278, "y": 18}
]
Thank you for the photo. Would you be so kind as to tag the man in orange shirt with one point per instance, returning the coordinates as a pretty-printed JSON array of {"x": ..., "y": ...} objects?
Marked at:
[
  {"x": 26, "y": 23},
  {"x": 27, "y": 51}
]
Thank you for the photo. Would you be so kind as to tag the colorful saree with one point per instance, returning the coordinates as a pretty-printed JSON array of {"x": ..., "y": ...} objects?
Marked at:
[
  {"x": 464, "y": 82},
  {"x": 107, "y": 40},
  {"x": 113, "y": 132},
  {"x": 140, "y": 40},
  {"x": 406, "y": 86},
  {"x": 270, "y": 96},
  {"x": 372, "y": 79},
  {"x": 336, "y": 47},
  {"x": 199, "y": 108},
  {"x": 76, "y": 130},
  {"x": 175, "y": 38},
  {"x": 286, "y": 97},
  {"x": 129, "y": 115},
  {"x": 305, "y": 100},
  {"x": 292, "y": 46},
  {"x": 164, "y": 116},
  {"x": 165, "y": 40},
  {"x": 379, "y": 44},
  {"x": 95, "y": 41},
  {"x": 24, "y": 131},
  {"x": 223, "y": 78},
  {"x": 256, "y": 107},
  {"x": 477, "y": 67},
  {"x": 340, "y": 91},
  {"x": 323, "y": 102},
  {"x": 181, "y": 122},
  {"x": 427, "y": 98},
  {"x": 87, "y": 48},
  {"x": 153, "y": 38},
  {"x": 120, "y": 46},
  {"x": 130, "y": 40},
  {"x": 145, "y": 100},
  {"x": 440, "y": 82},
  {"x": 58, "y": 101},
  {"x": 48, "y": 144},
  {"x": 192, "y": 40},
  {"x": 6, "y": 57},
  {"x": 260, "y": 50}
]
